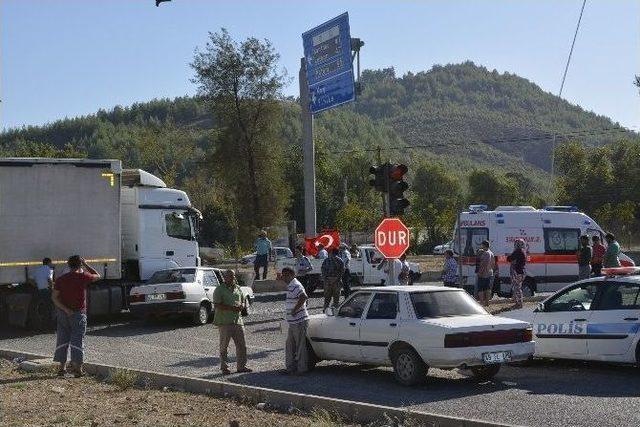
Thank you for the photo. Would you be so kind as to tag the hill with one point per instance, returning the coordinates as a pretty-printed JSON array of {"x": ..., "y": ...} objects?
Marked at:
[{"x": 461, "y": 116}]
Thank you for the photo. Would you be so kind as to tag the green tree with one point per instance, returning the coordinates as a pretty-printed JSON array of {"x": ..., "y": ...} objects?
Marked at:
[
  {"x": 487, "y": 187},
  {"x": 242, "y": 86},
  {"x": 435, "y": 200}
]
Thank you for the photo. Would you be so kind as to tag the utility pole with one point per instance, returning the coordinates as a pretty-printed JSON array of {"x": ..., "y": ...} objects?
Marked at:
[{"x": 309, "y": 155}]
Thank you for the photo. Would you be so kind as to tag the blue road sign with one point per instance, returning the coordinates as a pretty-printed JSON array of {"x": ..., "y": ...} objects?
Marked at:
[{"x": 327, "y": 50}]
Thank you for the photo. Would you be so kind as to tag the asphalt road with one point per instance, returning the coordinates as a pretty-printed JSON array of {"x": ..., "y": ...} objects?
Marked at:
[{"x": 551, "y": 393}]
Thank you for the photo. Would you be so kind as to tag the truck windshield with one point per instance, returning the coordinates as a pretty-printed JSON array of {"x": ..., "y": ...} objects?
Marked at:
[
  {"x": 178, "y": 226},
  {"x": 429, "y": 305},
  {"x": 185, "y": 275}
]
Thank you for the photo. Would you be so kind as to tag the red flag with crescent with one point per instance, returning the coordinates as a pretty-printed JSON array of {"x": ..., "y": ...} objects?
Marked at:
[{"x": 330, "y": 239}]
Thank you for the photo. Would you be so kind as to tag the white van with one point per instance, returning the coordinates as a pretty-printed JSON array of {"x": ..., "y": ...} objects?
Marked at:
[{"x": 551, "y": 236}]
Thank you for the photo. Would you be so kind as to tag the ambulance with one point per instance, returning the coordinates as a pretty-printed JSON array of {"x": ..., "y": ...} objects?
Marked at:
[{"x": 551, "y": 236}]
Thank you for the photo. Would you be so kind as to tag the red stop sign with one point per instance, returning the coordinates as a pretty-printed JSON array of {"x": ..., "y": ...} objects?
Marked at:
[{"x": 392, "y": 238}]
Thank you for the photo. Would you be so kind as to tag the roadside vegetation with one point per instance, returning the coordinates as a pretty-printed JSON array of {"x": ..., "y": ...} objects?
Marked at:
[{"x": 467, "y": 133}]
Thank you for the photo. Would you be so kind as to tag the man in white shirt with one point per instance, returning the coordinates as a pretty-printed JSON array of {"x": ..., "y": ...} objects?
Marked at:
[
  {"x": 297, "y": 316},
  {"x": 392, "y": 276},
  {"x": 43, "y": 277},
  {"x": 322, "y": 253}
]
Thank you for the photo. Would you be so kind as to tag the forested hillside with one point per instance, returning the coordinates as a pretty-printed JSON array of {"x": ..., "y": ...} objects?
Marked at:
[{"x": 449, "y": 121}]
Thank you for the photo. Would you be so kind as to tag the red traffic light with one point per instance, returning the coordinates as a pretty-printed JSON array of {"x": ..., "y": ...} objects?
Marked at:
[{"x": 397, "y": 171}]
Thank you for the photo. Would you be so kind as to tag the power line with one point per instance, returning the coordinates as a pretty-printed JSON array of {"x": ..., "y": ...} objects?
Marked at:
[{"x": 564, "y": 76}]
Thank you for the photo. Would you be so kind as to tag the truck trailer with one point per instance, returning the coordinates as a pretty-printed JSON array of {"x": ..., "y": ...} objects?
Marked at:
[{"x": 126, "y": 223}]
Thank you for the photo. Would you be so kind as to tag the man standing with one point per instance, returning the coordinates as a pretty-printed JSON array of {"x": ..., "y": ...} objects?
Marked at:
[
  {"x": 296, "y": 357},
  {"x": 322, "y": 252},
  {"x": 229, "y": 302},
  {"x": 332, "y": 270},
  {"x": 345, "y": 256},
  {"x": 43, "y": 278},
  {"x": 485, "y": 273},
  {"x": 584, "y": 258},
  {"x": 263, "y": 248},
  {"x": 611, "y": 256},
  {"x": 70, "y": 298},
  {"x": 598, "y": 250}
]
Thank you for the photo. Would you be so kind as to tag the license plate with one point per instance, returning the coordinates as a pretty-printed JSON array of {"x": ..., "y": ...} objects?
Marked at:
[
  {"x": 156, "y": 297},
  {"x": 496, "y": 357}
]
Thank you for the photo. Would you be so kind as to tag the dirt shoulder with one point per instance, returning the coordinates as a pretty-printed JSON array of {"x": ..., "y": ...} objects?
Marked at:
[{"x": 43, "y": 399}]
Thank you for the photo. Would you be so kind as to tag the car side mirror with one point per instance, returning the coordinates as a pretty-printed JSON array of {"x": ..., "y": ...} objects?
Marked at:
[
  {"x": 329, "y": 311},
  {"x": 540, "y": 307}
]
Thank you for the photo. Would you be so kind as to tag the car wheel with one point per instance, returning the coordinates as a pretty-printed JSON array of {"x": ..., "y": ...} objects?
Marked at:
[
  {"x": 485, "y": 373},
  {"x": 201, "y": 317},
  {"x": 638, "y": 355},
  {"x": 408, "y": 367},
  {"x": 312, "y": 357}
]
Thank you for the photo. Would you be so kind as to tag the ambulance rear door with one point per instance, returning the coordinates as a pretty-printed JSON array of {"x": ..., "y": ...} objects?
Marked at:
[{"x": 561, "y": 236}]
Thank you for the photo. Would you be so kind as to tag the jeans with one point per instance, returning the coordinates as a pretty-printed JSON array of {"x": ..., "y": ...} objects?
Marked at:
[
  {"x": 261, "y": 261},
  {"x": 584, "y": 271},
  {"x": 346, "y": 282},
  {"x": 70, "y": 336}
]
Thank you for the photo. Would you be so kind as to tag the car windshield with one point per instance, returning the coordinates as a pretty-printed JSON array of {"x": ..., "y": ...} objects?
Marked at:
[
  {"x": 184, "y": 275},
  {"x": 429, "y": 305}
]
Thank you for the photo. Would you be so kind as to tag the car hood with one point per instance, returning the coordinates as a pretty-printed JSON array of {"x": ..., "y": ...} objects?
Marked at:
[{"x": 476, "y": 322}]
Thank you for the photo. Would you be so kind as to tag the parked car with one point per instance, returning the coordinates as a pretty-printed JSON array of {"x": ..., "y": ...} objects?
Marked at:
[
  {"x": 183, "y": 291},
  {"x": 593, "y": 319},
  {"x": 280, "y": 252},
  {"x": 441, "y": 249},
  {"x": 416, "y": 328}
]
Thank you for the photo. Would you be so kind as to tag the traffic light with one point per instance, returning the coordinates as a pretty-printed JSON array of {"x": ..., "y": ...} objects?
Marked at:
[
  {"x": 397, "y": 186},
  {"x": 379, "y": 181}
]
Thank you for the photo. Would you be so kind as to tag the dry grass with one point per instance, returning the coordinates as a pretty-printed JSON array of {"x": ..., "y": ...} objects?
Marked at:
[
  {"x": 44, "y": 399},
  {"x": 123, "y": 379}
]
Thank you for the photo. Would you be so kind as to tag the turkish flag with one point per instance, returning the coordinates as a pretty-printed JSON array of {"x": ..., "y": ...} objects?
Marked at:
[{"x": 330, "y": 239}]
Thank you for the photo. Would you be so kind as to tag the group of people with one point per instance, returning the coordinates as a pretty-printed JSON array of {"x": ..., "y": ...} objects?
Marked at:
[
  {"x": 230, "y": 307},
  {"x": 592, "y": 255}
]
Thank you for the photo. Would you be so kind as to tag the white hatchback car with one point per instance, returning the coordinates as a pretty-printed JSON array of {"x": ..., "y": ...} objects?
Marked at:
[
  {"x": 593, "y": 319},
  {"x": 413, "y": 328},
  {"x": 180, "y": 291}
]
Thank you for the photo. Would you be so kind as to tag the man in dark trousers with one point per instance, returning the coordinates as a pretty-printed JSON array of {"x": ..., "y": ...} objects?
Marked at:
[
  {"x": 332, "y": 271},
  {"x": 70, "y": 298}
]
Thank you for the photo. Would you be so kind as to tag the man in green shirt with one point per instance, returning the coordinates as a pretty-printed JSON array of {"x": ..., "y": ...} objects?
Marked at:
[
  {"x": 611, "y": 258},
  {"x": 229, "y": 302}
]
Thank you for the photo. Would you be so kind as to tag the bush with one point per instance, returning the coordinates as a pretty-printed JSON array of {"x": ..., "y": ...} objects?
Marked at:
[{"x": 123, "y": 379}]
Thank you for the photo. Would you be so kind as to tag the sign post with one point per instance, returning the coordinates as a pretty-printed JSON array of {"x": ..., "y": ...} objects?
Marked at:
[{"x": 326, "y": 81}]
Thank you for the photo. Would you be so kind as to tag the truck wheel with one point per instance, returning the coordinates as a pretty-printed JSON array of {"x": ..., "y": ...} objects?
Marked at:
[
  {"x": 638, "y": 355},
  {"x": 485, "y": 373},
  {"x": 201, "y": 317},
  {"x": 408, "y": 367}
]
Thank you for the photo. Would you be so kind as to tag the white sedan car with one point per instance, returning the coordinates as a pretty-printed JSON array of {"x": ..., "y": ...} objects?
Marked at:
[
  {"x": 417, "y": 327},
  {"x": 593, "y": 319},
  {"x": 187, "y": 291}
]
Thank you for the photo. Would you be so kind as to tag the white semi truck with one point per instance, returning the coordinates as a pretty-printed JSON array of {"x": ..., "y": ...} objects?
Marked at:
[{"x": 126, "y": 223}]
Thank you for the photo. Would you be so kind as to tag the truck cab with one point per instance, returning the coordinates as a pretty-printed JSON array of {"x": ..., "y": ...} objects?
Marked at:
[{"x": 159, "y": 226}]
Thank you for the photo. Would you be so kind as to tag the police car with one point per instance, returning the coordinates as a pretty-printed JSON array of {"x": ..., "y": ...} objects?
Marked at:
[
  {"x": 593, "y": 319},
  {"x": 414, "y": 328}
]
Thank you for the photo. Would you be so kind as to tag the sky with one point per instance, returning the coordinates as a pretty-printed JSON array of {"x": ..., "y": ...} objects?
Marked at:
[{"x": 66, "y": 58}]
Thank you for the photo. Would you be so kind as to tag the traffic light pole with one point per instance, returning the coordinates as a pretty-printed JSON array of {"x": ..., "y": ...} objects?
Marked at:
[{"x": 308, "y": 151}]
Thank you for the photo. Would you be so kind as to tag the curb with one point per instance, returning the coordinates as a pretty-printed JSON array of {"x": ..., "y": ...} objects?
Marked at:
[{"x": 357, "y": 411}]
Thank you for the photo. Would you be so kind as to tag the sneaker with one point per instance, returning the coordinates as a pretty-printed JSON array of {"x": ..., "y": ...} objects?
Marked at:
[
  {"x": 78, "y": 371},
  {"x": 245, "y": 369},
  {"x": 62, "y": 372}
]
